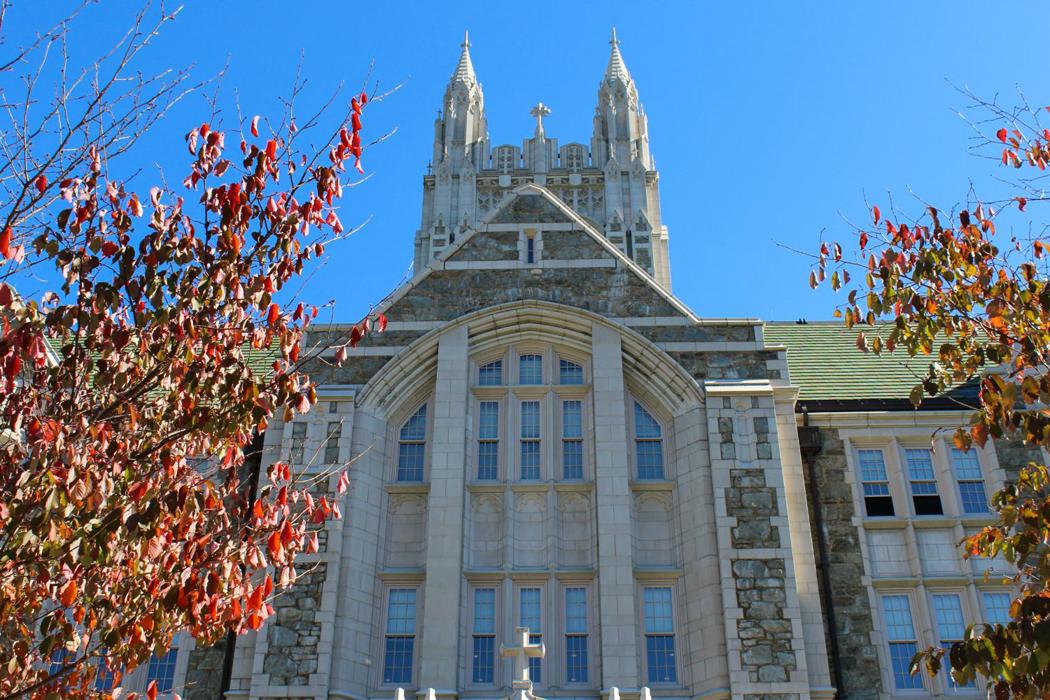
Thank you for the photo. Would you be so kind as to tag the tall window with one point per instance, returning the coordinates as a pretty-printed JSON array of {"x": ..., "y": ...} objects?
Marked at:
[
  {"x": 947, "y": 610},
  {"x": 659, "y": 636},
  {"x": 491, "y": 374},
  {"x": 484, "y": 660},
  {"x": 530, "y": 250},
  {"x": 162, "y": 670},
  {"x": 996, "y": 607},
  {"x": 331, "y": 445},
  {"x": 411, "y": 446},
  {"x": 877, "y": 499},
  {"x": 530, "y": 614},
  {"x": 400, "y": 635},
  {"x": 488, "y": 440},
  {"x": 572, "y": 439},
  {"x": 298, "y": 451},
  {"x": 900, "y": 633},
  {"x": 923, "y": 483},
  {"x": 648, "y": 444},
  {"x": 530, "y": 440},
  {"x": 569, "y": 372},
  {"x": 576, "y": 635},
  {"x": 967, "y": 469},
  {"x": 530, "y": 369},
  {"x": 106, "y": 676}
]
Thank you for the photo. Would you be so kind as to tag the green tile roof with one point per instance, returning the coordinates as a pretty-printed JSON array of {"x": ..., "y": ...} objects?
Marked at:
[
  {"x": 824, "y": 362},
  {"x": 259, "y": 361}
]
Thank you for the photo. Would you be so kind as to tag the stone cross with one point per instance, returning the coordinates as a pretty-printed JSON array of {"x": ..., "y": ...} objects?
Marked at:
[
  {"x": 522, "y": 652},
  {"x": 540, "y": 111}
]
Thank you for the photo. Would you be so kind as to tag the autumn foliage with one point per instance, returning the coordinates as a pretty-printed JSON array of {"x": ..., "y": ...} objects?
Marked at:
[
  {"x": 131, "y": 386},
  {"x": 976, "y": 301}
]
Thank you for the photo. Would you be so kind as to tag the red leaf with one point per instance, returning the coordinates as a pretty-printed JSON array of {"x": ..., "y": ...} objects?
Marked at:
[
  {"x": 344, "y": 482},
  {"x": 6, "y": 296},
  {"x": 340, "y": 355},
  {"x": 41, "y": 184},
  {"x": 877, "y": 214},
  {"x": 863, "y": 239},
  {"x": 255, "y": 126},
  {"x": 1001, "y": 135},
  {"x": 304, "y": 403},
  {"x": 5, "y": 244},
  {"x": 273, "y": 314},
  {"x": 312, "y": 545},
  {"x": 151, "y": 690},
  {"x": 135, "y": 206},
  {"x": 1040, "y": 249},
  {"x": 68, "y": 593},
  {"x": 137, "y": 491},
  {"x": 1021, "y": 202},
  {"x": 380, "y": 323},
  {"x": 109, "y": 247}
]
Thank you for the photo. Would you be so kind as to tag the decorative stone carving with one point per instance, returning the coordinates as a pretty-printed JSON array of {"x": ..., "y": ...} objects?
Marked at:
[
  {"x": 575, "y": 531},
  {"x": 486, "y": 530},
  {"x": 406, "y": 531},
  {"x": 530, "y": 537},
  {"x": 653, "y": 532}
]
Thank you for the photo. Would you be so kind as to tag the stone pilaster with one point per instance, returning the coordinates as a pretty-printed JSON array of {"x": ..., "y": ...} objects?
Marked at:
[
  {"x": 763, "y": 619},
  {"x": 444, "y": 559},
  {"x": 616, "y": 589}
]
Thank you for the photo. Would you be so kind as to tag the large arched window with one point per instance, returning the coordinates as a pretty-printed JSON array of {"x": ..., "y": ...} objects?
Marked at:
[{"x": 411, "y": 446}]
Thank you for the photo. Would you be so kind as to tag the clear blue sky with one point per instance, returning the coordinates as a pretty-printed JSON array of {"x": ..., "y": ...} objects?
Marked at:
[{"x": 769, "y": 122}]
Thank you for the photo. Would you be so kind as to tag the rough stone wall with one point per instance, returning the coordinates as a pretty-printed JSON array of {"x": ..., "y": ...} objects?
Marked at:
[
  {"x": 858, "y": 656},
  {"x": 765, "y": 636},
  {"x": 752, "y": 503},
  {"x": 501, "y": 245},
  {"x": 204, "y": 672},
  {"x": 1014, "y": 455},
  {"x": 727, "y": 365},
  {"x": 293, "y": 635}
]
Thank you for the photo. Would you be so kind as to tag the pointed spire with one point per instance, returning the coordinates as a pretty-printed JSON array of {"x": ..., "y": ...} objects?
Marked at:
[
  {"x": 465, "y": 68},
  {"x": 617, "y": 69}
]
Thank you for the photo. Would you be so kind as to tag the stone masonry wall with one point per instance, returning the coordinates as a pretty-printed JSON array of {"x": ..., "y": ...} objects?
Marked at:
[
  {"x": 1014, "y": 455},
  {"x": 204, "y": 672},
  {"x": 765, "y": 636},
  {"x": 294, "y": 633},
  {"x": 858, "y": 656}
]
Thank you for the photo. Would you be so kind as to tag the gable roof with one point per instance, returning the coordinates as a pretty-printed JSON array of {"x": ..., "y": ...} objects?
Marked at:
[
  {"x": 535, "y": 198},
  {"x": 824, "y": 362}
]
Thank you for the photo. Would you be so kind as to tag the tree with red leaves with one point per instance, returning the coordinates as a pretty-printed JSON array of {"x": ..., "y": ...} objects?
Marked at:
[
  {"x": 977, "y": 302},
  {"x": 140, "y": 357}
]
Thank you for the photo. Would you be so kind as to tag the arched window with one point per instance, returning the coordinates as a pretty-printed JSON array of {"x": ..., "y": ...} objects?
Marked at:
[
  {"x": 411, "y": 446},
  {"x": 648, "y": 444}
]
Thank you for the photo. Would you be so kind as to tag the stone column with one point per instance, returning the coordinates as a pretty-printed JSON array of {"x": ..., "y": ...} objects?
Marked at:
[
  {"x": 444, "y": 561},
  {"x": 619, "y": 633}
]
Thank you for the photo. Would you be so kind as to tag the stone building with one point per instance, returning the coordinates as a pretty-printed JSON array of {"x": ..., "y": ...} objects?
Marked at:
[{"x": 546, "y": 437}]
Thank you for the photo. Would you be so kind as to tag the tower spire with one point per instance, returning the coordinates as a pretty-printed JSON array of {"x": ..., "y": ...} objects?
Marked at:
[
  {"x": 465, "y": 68},
  {"x": 617, "y": 69}
]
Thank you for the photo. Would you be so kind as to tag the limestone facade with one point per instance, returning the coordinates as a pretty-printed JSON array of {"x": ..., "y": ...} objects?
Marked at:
[{"x": 546, "y": 437}]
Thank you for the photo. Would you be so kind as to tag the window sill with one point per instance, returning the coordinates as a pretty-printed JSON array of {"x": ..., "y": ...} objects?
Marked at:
[
  {"x": 652, "y": 485},
  {"x": 407, "y": 487}
]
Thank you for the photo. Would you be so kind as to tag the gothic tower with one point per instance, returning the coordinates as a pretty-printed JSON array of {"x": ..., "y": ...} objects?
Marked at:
[{"x": 614, "y": 183}]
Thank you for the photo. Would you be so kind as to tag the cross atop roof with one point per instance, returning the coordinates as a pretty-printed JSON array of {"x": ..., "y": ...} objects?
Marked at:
[{"x": 540, "y": 111}]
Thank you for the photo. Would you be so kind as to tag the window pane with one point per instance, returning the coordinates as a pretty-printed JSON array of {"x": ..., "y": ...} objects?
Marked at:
[
  {"x": 901, "y": 654},
  {"x": 162, "y": 670},
  {"x": 485, "y": 610},
  {"x": 658, "y": 610},
  {"x": 488, "y": 461},
  {"x": 530, "y": 369},
  {"x": 659, "y": 651},
  {"x": 997, "y": 608},
  {"x": 920, "y": 465},
  {"x": 966, "y": 464},
  {"x": 973, "y": 498},
  {"x": 401, "y": 611},
  {"x": 947, "y": 610},
  {"x": 530, "y": 459},
  {"x": 529, "y": 600},
  {"x": 489, "y": 420},
  {"x": 397, "y": 661},
  {"x": 576, "y": 610},
  {"x": 897, "y": 613},
  {"x": 331, "y": 446},
  {"x": 872, "y": 465},
  {"x": 569, "y": 372},
  {"x": 410, "y": 461},
  {"x": 576, "y": 658},
  {"x": 491, "y": 374},
  {"x": 650, "y": 459},
  {"x": 644, "y": 424},
  {"x": 572, "y": 459},
  {"x": 416, "y": 426},
  {"x": 484, "y": 659},
  {"x": 530, "y": 419},
  {"x": 572, "y": 419}
]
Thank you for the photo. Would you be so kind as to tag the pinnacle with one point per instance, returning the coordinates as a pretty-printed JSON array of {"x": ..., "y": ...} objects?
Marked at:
[
  {"x": 465, "y": 68},
  {"x": 617, "y": 69}
]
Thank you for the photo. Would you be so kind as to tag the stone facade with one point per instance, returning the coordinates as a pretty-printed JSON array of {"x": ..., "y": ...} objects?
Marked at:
[{"x": 544, "y": 436}]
